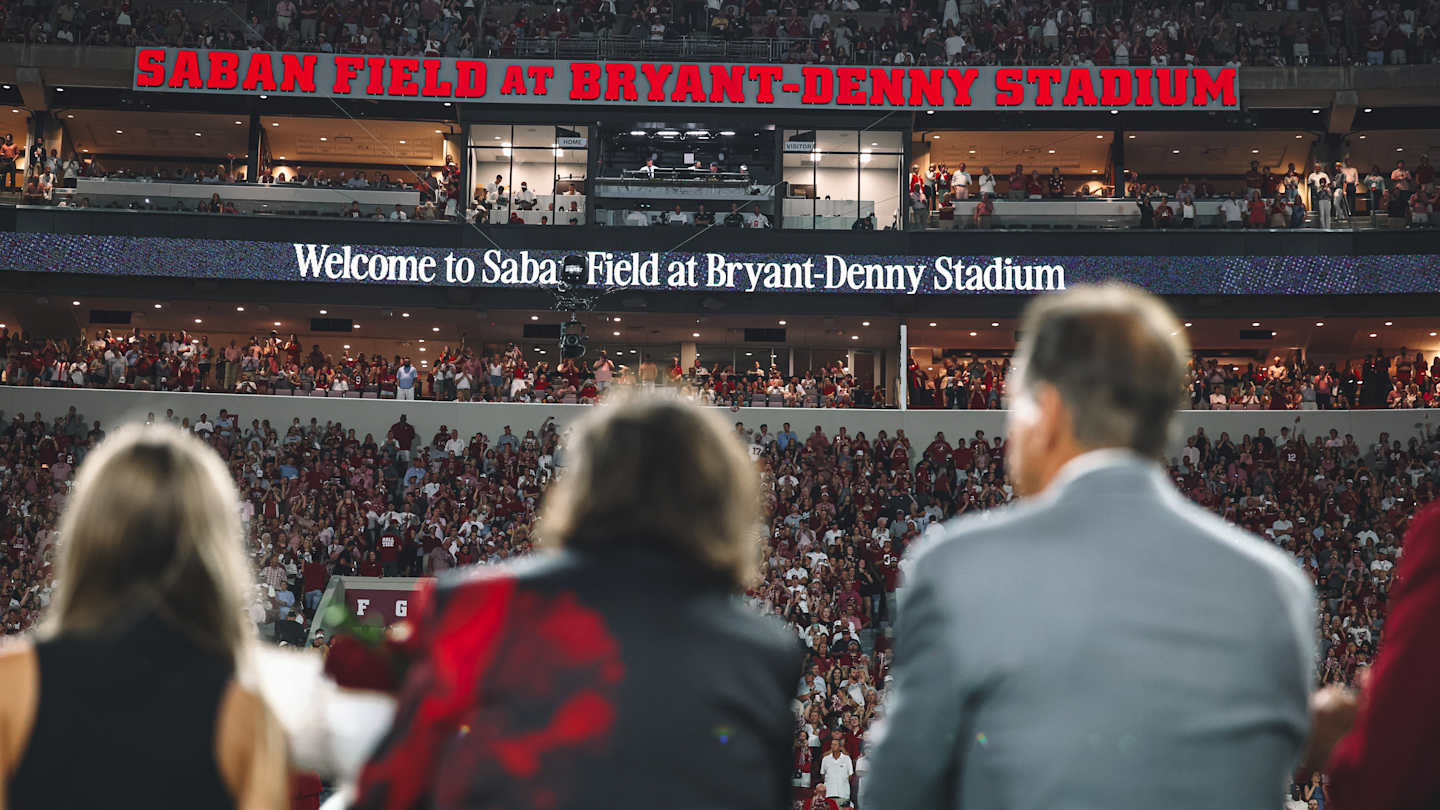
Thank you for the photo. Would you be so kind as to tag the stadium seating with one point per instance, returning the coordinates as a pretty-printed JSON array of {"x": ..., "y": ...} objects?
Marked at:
[{"x": 321, "y": 500}]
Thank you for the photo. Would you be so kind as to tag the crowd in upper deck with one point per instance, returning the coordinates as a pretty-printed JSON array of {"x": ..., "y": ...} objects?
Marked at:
[{"x": 971, "y": 32}]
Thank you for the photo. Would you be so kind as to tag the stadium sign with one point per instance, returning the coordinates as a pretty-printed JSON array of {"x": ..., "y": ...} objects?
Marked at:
[
  {"x": 683, "y": 83},
  {"x": 713, "y": 272}
]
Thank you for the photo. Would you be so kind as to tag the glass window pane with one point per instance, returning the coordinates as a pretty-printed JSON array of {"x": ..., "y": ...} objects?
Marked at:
[
  {"x": 535, "y": 136},
  {"x": 830, "y": 140},
  {"x": 882, "y": 141}
]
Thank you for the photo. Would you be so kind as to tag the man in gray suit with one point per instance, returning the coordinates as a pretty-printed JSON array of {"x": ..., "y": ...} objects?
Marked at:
[{"x": 1103, "y": 644}]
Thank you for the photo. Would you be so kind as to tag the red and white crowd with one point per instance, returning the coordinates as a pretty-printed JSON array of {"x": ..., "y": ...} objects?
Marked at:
[
  {"x": 321, "y": 501},
  {"x": 276, "y": 365}
]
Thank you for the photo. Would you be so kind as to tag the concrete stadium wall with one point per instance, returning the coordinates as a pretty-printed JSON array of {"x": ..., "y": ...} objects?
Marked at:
[{"x": 376, "y": 416}]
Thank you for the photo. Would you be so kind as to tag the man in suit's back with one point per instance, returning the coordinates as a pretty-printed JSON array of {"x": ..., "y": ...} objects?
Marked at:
[{"x": 1103, "y": 644}]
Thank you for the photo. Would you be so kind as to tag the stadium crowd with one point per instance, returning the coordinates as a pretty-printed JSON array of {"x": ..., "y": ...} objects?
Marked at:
[
  {"x": 1148, "y": 32},
  {"x": 277, "y": 365},
  {"x": 321, "y": 501}
]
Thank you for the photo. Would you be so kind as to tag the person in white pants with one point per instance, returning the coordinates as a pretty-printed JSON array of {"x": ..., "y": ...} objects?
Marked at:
[
  {"x": 1324, "y": 204},
  {"x": 405, "y": 379}
]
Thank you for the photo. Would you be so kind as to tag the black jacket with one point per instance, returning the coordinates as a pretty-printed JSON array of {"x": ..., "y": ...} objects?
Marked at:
[{"x": 580, "y": 681}]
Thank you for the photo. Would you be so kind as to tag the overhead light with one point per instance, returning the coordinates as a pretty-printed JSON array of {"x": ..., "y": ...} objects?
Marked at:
[
  {"x": 1372, "y": 334},
  {"x": 973, "y": 334},
  {"x": 282, "y": 157},
  {"x": 694, "y": 334},
  {"x": 638, "y": 133},
  {"x": 1319, "y": 323},
  {"x": 157, "y": 306},
  {"x": 1052, "y": 151},
  {"x": 1174, "y": 151},
  {"x": 59, "y": 89},
  {"x": 238, "y": 123},
  {"x": 439, "y": 132},
  {"x": 932, "y": 323},
  {"x": 1362, "y": 137},
  {"x": 422, "y": 348},
  {"x": 972, "y": 151},
  {"x": 616, "y": 333},
  {"x": 1188, "y": 324},
  {"x": 263, "y": 97},
  {"x": 854, "y": 337},
  {"x": 616, "y": 319},
  {"x": 1253, "y": 323},
  {"x": 1315, "y": 112},
  {"x": 447, "y": 104},
  {"x": 698, "y": 133},
  {"x": 1114, "y": 112},
  {"x": 1369, "y": 109},
  {"x": 434, "y": 329},
  {"x": 1399, "y": 149},
  {"x": 74, "y": 303},
  {"x": 1298, "y": 137},
  {"x": 119, "y": 132},
  {"x": 727, "y": 133},
  {"x": 864, "y": 323},
  {"x": 534, "y": 317},
  {"x": 1132, "y": 137},
  {"x": 354, "y": 326},
  {"x": 71, "y": 115},
  {"x": 1254, "y": 151},
  {"x": 929, "y": 112},
  {"x": 1389, "y": 323},
  {"x": 239, "y": 309},
  {"x": 422, "y": 340},
  {"x": 324, "y": 312},
  {"x": 274, "y": 123},
  {"x": 199, "y": 134},
  {"x": 402, "y": 140},
  {"x": 994, "y": 323},
  {"x": 197, "y": 320},
  {"x": 1432, "y": 334},
  {"x": 347, "y": 345},
  {"x": 1099, "y": 137},
  {"x": 935, "y": 137},
  {"x": 782, "y": 323},
  {"x": 84, "y": 150},
  {"x": 404, "y": 314},
  {"x": 323, "y": 138},
  {"x": 668, "y": 133}
]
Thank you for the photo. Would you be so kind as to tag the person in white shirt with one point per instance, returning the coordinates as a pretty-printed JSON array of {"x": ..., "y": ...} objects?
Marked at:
[
  {"x": 1233, "y": 212},
  {"x": 399, "y": 214},
  {"x": 836, "y": 769},
  {"x": 648, "y": 169},
  {"x": 204, "y": 425},
  {"x": 525, "y": 198},
  {"x": 987, "y": 182},
  {"x": 960, "y": 183}
]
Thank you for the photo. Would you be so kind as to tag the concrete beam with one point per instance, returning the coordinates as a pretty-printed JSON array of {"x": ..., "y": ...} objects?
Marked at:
[
  {"x": 1342, "y": 112},
  {"x": 32, "y": 88}
]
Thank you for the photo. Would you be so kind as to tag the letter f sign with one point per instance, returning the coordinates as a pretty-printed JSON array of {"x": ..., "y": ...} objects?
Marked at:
[{"x": 360, "y": 606}]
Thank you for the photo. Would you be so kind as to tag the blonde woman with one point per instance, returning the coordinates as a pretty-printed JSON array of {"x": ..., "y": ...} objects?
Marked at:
[
  {"x": 128, "y": 695},
  {"x": 600, "y": 672}
]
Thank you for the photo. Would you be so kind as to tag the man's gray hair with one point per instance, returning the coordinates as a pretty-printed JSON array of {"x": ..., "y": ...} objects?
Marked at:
[{"x": 1117, "y": 356}]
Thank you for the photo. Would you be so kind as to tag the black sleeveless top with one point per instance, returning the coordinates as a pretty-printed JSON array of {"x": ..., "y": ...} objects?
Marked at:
[{"x": 124, "y": 719}]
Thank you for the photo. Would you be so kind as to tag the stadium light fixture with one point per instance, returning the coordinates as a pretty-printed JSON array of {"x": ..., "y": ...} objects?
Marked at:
[
  {"x": 199, "y": 134},
  {"x": 534, "y": 317},
  {"x": 447, "y": 104},
  {"x": 1369, "y": 109},
  {"x": 347, "y": 346},
  {"x": 434, "y": 329},
  {"x": 1372, "y": 334},
  {"x": 263, "y": 97},
  {"x": 782, "y": 323},
  {"x": 277, "y": 323},
  {"x": 932, "y": 323},
  {"x": 1252, "y": 323},
  {"x": 935, "y": 137},
  {"x": 864, "y": 323},
  {"x": 422, "y": 348},
  {"x": 281, "y": 157},
  {"x": 324, "y": 312},
  {"x": 422, "y": 340},
  {"x": 616, "y": 333},
  {"x": 638, "y": 133},
  {"x": 323, "y": 139},
  {"x": 404, "y": 314},
  {"x": 973, "y": 334},
  {"x": 1315, "y": 111},
  {"x": 854, "y": 337},
  {"x": 694, "y": 334},
  {"x": 1099, "y": 137},
  {"x": 238, "y": 123},
  {"x": 74, "y": 303},
  {"x": 1189, "y": 324},
  {"x": 1114, "y": 112},
  {"x": 197, "y": 320},
  {"x": 929, "y": 112},
  {"x": 1389, "y": 323},
  {"x": 994, "y": 323},
  {"x": 1052, "y": 151},
  {"x": 274, "y": 123},
  {"x": 119, "y": 132},
  {"x": 239, "y": 309},
  {"x": 1319, "y": 323},
  {"x": 1132, "y": 137},
  {"x": 1432, "y": 334},
  {"x": 157, "y": 306}
]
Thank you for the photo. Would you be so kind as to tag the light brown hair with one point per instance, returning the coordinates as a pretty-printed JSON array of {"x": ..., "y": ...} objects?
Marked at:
[
  {"x": 656, "y": 470},
  {"x": 153, "y": 525}
]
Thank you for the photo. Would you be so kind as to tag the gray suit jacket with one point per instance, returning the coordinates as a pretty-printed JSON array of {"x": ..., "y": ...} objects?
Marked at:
[{"x": 1106, "y": 645}]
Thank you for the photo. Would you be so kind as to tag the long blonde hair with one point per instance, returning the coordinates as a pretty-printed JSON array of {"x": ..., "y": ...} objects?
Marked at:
[
  {"x": 153, "y": 526},
  {"x": 662, "y": 472}
]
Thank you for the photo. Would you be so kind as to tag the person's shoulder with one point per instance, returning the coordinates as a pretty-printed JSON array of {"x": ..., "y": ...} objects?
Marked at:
[{"x": 1245, "y": 545}]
